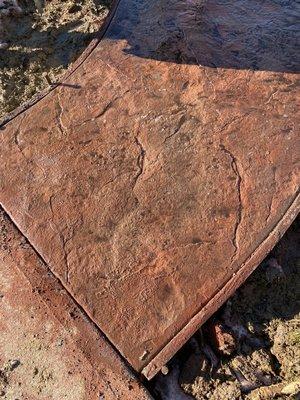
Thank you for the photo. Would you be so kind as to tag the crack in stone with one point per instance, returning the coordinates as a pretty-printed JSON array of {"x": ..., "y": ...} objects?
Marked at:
[
  {"x": 191, "y": 244},
  {"x": 103, "y": 111},
  {"x": 17, "y": 143},
  {"x": 234, "y": 166},
  {"x": 109, "y": 105},
  {"x": 233, "y": 120},
  {"x": 171, "y": 272},
  {"x": 16, "y": 139},
  {"x": 112, "y": 180},
  {"x": 271, "y": 96},
  {"x": 181, "y": 122},
  {"x": 99, "y": 115},
  {"x": 63, "y": 241},
  {"x": 62, "y": 128},
  {"x": 270, "y": 206},
  {"x": 237, "y": 118},
  {"x": 106, "y": 108},
  {"x": 140, "y": 160}
]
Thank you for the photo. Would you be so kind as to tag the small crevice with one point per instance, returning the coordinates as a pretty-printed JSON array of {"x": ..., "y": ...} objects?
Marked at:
[
  {"x": 18, "y": 145},
  {"x": 62, "y": 239},
  {"x": 140, "y": 160},
  {"x": 105, "y": 109},
  {"x": 61, "y": 126},
  {"x": 181, "y": 122},
  {"x": 270, "y": 206},
  {"x": 17, "y": 142},
  {"x": 234, "y": 166},
  {"x": 110, "y": 105},
  {"x": 198, "y": 243},
  {"x": 112, "y": 180}
]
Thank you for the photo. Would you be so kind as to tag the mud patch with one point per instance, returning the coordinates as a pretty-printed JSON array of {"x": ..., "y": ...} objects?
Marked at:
[{"x": 42, "y": 45}]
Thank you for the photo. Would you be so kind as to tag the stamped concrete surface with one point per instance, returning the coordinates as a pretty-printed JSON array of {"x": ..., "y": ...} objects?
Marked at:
[
  {"x": 48, "y": 349},
  {"x": 157, "y": 176}
]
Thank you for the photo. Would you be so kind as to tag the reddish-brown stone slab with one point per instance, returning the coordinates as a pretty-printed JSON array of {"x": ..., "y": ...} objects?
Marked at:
[
  {"x": 48, "y": 349},
  {"x": 162, "y": 171}
]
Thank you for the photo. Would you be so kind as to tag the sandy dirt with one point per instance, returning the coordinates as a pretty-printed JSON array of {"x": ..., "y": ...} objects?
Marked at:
[
  {"x": 251, "y": 348},
  {"x": 42, "y": 45}
]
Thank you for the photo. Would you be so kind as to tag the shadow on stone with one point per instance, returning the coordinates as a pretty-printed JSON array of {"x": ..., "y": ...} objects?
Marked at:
[{"x": 243, "y": 34}]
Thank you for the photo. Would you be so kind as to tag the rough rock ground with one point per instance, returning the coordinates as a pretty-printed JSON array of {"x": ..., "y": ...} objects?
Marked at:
[
  {"x": 123, "y": 196},
  {"x": 232, "y": 388}
]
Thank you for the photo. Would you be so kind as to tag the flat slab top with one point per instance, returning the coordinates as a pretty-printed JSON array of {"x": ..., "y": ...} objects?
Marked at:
[{"x": 162, "y": 170}]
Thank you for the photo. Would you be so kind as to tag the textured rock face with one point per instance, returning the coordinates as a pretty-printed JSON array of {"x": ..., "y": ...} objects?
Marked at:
[
  {"x": 149, "y": 179},
  {"x": 48, "y": 349}
]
